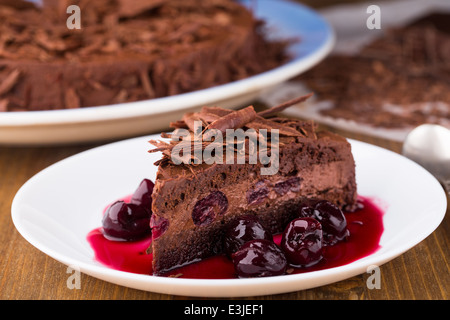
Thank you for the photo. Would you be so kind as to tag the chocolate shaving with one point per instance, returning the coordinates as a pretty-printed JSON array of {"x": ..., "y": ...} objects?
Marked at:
[
  {"x": 146, "y": 84},
  {"x": 71, "y": 99},
  {"x": 261, "y": 123},
  {"x": 134, "y": 8},
  {"x": 121, "y": 96},
  {"x": 216, "y": 111},
  {"x": 400, "y": 80},
  {"x": 178, "y": 124},
  {"x": 233, "y": 120},
  {"x": 208, "y": 117},
  {"x": 222, "y": 119},
  {"x": 284, "y": 106},
  {"x": 9, "y": 82},
  {"x": 190, "y": 119},
  {"x": 178, "y": 275},
  {"x": 4, "y": 105}
]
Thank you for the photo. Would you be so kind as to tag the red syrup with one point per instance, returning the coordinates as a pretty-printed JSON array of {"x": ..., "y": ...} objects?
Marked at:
[{"x": 365, "y": 226}]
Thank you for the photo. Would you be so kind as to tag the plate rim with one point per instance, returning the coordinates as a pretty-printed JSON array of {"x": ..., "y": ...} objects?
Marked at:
[
  {"x": 190, "y": 99},
  {"x": 222, "y": 287}
]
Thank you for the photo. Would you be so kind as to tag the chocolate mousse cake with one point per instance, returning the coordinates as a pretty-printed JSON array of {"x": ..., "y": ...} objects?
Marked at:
[
  {"x": 126, "y": 50},
  {"x": 193, "y": 201}
]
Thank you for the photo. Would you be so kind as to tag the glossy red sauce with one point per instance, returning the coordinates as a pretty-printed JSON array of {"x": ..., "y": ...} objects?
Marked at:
[{"x": 365, "y": 226}]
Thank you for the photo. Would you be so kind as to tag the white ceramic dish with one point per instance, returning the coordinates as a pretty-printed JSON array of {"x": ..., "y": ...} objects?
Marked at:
[
  {"x": 57, "y": 208},
  {"x": 285, "y": 19}
]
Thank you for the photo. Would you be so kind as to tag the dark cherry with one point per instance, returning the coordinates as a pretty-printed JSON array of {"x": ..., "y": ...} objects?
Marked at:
[
  {"x": 258, "y": 193},
  {"x": 291, "y": 184},
  {"x": 125, "y": 222},
  {"x": 241, "y": 230},
  {"x": 334, "y": 224},
  {"x": 306, "y": 208},
  {"x": 301, "y": 242},
  {"x": 259, "y": 258},
  {"x": 158, "y": 226},
  {"x": 206, "y": 209},
  {"x": 143, "y": 195}
]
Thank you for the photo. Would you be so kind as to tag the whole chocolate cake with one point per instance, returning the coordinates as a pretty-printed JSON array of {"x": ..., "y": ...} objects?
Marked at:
[
  {"x": 193, "y": 201},
  {"x": 125, "y": 50}
]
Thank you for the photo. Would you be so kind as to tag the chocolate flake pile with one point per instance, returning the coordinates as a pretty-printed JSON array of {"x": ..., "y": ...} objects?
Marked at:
[
  {"x": 126, "y": 50},
  {"x": 289, "y": 130},
  {"x": 397, "y": 81}
]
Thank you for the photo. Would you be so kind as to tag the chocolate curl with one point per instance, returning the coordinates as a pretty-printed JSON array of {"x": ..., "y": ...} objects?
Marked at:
[
  {"x": 208, "y": 117},
  {"x": 4, "y": 105},
  {"x": 167, "y": 135},
  {"x": 189, "y": 119},
  {"x": 147, "y": 84},
  {"x": 218, "y": 111},
  {"x": 233, "y": 120},
  {"x": 9, "y": 82},
  {"x": 179, "y": 124},
  {"x": 71, "y": 99},
  {"x": 262, "y": 123},
  {"x": 159, "y": 146},
  {"x": 284, "y": 106}
]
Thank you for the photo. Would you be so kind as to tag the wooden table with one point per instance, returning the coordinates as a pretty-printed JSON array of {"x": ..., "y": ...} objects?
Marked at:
[{"x": 26, "y": 273}]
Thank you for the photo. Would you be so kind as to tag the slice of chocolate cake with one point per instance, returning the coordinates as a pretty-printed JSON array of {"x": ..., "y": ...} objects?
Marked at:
[{"x": 193, "y": 201}]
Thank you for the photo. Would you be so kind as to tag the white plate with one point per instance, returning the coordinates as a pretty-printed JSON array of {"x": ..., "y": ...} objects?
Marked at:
[
  {"x": 285, "y": 20},
  {"x": 57, "y": 208}
]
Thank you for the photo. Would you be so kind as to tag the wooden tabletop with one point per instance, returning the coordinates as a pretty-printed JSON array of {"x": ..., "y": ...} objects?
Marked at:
[{"x": 27, "y": 273}]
